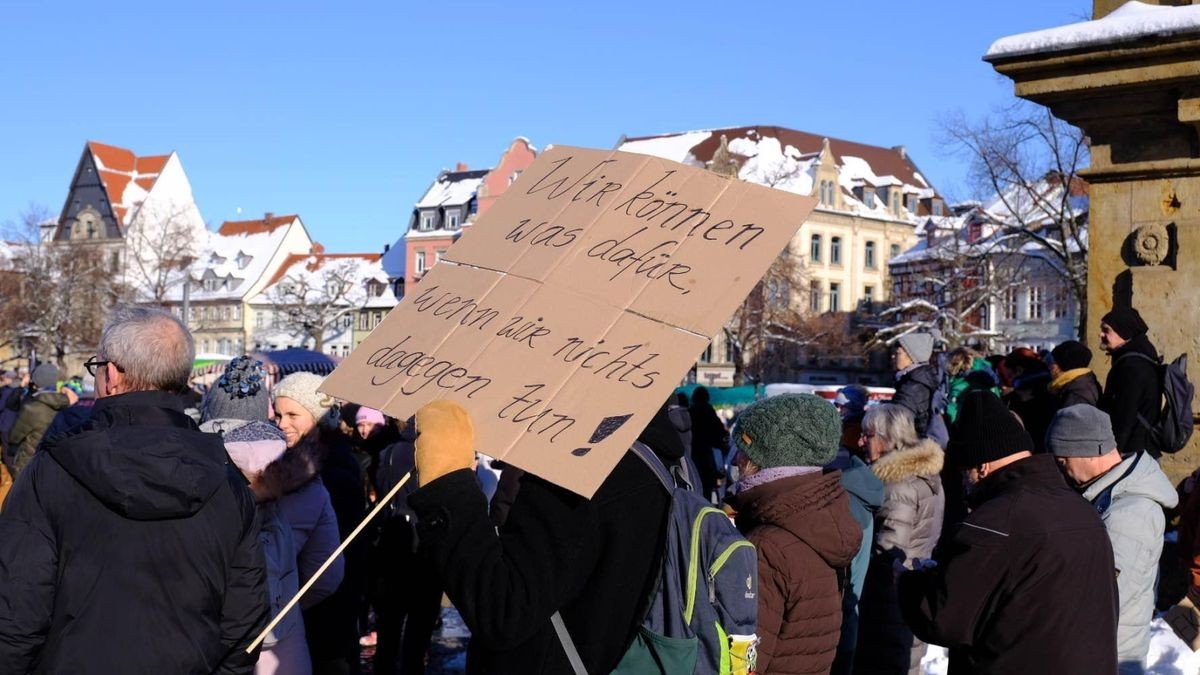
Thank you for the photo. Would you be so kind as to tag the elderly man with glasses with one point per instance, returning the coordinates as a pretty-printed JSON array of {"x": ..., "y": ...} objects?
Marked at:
[{"x": 128, "y": 545}]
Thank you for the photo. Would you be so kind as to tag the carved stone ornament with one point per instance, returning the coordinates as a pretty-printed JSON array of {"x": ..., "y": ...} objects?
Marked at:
[{"x": 1151, "y": 243}]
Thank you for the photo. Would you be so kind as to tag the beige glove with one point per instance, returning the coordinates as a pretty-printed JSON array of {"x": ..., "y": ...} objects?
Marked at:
[
  {"x": 1184, "y": 619},
  {"x": 445, "y": 440}
]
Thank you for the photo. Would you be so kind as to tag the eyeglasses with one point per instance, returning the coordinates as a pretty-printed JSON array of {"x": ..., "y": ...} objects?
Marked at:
[{"x": 94, "y": 363}]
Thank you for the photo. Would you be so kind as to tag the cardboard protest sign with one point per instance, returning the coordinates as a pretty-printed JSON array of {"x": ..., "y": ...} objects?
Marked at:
[{"x": 567, "y": 314}]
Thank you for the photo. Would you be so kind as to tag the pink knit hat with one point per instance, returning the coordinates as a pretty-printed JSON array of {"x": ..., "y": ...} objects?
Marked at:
[{"x": 371, "y": 415}]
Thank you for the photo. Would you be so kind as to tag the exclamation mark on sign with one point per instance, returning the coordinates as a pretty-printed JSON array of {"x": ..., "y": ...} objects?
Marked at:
[{"x": 606, "y": 428}]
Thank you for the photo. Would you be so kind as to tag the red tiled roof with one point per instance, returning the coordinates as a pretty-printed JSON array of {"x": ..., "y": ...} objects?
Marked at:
[
  {"x": 232, "y": 228},
  {"x": 883, "y": 161},
  {"x": 118, "y": 166},
  {"x": 316, "y": 262}
]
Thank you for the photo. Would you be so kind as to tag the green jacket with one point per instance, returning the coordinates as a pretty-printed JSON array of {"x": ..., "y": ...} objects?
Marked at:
[
  {"x": 35, "y": 417},
  {"x": 959, "y": 386}
]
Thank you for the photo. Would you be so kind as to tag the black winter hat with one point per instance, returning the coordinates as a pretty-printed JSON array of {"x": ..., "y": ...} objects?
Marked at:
[
  {"x": 1071, "y": 354},
  {"x": 1126, "y": 322},
  {"x": 985, "y": 431}
]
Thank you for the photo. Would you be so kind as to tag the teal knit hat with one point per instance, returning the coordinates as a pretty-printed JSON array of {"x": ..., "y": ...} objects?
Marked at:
[{"x": 789, "y": 430}]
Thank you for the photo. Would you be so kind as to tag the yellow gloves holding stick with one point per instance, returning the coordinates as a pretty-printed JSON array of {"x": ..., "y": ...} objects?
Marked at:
[{"x": 445, "y": 440}]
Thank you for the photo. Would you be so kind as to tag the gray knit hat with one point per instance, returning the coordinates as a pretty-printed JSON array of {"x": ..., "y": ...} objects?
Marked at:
[
  {"x": 45, "y": 377},
  {"x": 1080, "y": 430},
  {"x": 302, "y": 388},
  {"x": 240, "y": 393},
  {"x": 789, "y": 430},
  {"x": 918, "y": 346}
]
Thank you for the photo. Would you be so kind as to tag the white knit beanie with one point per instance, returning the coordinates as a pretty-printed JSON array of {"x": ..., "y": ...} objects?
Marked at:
[{"x": 302, "y": 388}]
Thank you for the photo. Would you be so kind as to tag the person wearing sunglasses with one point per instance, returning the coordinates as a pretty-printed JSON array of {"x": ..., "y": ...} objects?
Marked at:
[{"x": 128, "y": 544}]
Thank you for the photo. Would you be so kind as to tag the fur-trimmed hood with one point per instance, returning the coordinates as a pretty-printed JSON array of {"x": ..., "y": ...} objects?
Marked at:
[
  {"x": 925, "y": 459},
  {"x": 292, "y": 471}
]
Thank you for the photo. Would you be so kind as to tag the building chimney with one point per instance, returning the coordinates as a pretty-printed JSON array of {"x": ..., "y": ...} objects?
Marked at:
[
  {"x": 902, "y": 150},
  {"x": 317, "y": 249},
  {"x": 387, "y": 247},
  {"x": 460, "y": 167},
  {"x": 267, "y": 217}
]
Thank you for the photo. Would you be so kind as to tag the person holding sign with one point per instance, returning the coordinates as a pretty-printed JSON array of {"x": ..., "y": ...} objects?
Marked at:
[{"x": 593, "y": 561}]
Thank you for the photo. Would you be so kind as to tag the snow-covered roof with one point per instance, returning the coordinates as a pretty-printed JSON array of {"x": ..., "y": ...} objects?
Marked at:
[
  {"x": 787, "y": 159},
  {"x": 234, "y": 262},
  {"x": 1130, "y": 22},
  {"x": 452, "y": 188},
  {"x": 1038, "y": 203},
  {"x": 127, "y": 178},
  {"x": 312, "y": 272}
]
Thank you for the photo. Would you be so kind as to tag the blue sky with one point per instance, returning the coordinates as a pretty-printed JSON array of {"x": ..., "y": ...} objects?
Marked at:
[{"x": 344, "y": 112}]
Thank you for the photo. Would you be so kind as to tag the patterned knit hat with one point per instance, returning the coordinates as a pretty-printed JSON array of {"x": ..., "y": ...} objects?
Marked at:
[
  {"x": 302, "y": 388},
  {"x": 239, "y": 394},
  {"x": 789, "y": 430}
]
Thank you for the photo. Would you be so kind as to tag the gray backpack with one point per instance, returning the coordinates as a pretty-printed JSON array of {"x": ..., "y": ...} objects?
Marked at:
[{"x": 704, "y": 612}]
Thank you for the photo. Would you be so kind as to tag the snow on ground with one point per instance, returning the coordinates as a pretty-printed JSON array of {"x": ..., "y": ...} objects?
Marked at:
[
  {"x": 1168, "y": 655},
  {"x": 1131, "y": 21}
]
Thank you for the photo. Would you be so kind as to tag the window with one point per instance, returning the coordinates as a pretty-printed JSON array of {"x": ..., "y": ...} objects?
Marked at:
[
  {"x": 814, "y": 296},
  {"x": 260, "y": 318},
  {"x": 1010, "y": 304},
  {"x": 363, "y": 319},
  {"x": 115, "y": 262},
  {"x": 237, "y": 312},
  {"x": 815, "y": 252},
  {"x": 834, "y": 293},
  {"x": 895, "y": 203},
  {"x": 426, "y": 221},
  {"x": 937, "y": 207},
  {"x": 827, "y": 192},
  {"x": 894, "y": 251},
  {"x": 210, "y": 284},
  {"x": 347, "y": 319},
  {"x": 869, "y": 257},
  {"x": 912, "y": 204},
  {"x": 420, "y": 262},
  {"x": 835, "y": 251},
  {"x": 204, "y": 346},
  {"x": 437, "y": 256},
  {"x": 452, "y": 221},
  {"x": 1036, "y": 307},
  {"x": 776, "y": 294},
  {"x": 869, "y": 294},
  {"x": 1060, "y": 305},
  {"x": 869, "y": 197},
  {"x": 706, "y": 357},
  {"x": 377, "y": 319}
]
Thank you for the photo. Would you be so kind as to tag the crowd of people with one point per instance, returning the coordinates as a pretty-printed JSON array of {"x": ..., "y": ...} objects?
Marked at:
[{"x": 1008, "y": 508}]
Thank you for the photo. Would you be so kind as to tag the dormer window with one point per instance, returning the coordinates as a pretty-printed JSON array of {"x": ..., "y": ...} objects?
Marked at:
[
  {"x": 974, "y": 231},
  {"x": 243, "y": 260},
  {"x": 869, "y": 197},
  {"x": 210, "y": 284},
  {"x": 912, "y": 204},
  {"x": 426, "y": 222},
  {"x": 937, "y": 207},
  {"x": 895, "y": 200},
  {"x": 452, "y": 220}
]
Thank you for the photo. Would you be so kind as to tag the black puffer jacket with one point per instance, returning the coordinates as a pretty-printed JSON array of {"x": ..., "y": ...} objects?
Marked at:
[
  {"x": 914, "y": 390},
  {"x": 1027, "y": 584},
  {"x": 130, "y": 546},
  {"x": 595, "y": 561},
  {"x": 1133, "y": 389}
]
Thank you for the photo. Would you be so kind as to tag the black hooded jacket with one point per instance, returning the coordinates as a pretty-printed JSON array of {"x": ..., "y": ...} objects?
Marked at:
[
  {"x": 914, "y": 390},
  {"x": 130, "y": 546},
  {"x": 1133, "y": 388},
  {"x": 595, "y": 561}
]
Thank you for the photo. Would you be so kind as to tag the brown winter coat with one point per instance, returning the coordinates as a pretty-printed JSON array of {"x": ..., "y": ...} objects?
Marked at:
[
  {"x": 804, "y": 533},
  {"x": 906, "y": 527}
]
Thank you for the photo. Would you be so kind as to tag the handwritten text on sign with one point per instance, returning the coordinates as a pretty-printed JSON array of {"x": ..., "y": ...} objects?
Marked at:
[{"x": 565, "y": 316}]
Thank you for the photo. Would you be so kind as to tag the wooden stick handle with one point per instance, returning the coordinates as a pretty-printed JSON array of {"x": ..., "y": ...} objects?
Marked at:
[{"x": 329, "y": 561}]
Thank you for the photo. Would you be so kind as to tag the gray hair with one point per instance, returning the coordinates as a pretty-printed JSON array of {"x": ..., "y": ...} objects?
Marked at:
[
  {"x": 153, "y": 349},
  {"x": 894, "y": 424}
]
